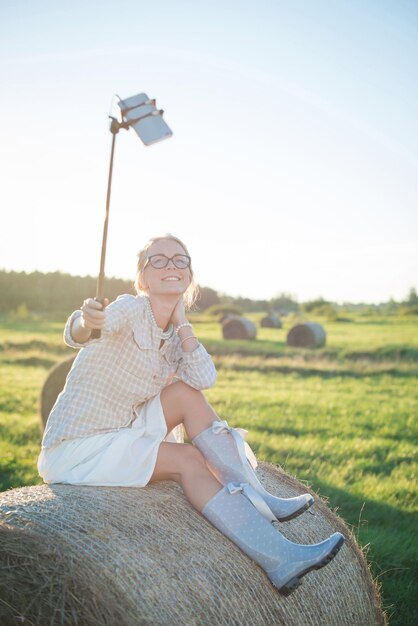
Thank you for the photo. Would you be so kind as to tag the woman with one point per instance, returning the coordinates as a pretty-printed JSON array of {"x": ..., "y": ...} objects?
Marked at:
[{"x": 115, "y": 423}]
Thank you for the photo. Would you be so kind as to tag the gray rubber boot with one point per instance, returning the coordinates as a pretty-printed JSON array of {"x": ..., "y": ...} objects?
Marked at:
[
  {"x": 224, "y": 450},
  {"x": 284, "y": 562}
]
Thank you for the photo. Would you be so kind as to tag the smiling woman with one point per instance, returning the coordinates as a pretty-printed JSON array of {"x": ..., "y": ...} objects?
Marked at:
[
  {"x": 131, "y": 389},
  {"x": 176, "y": 269}
]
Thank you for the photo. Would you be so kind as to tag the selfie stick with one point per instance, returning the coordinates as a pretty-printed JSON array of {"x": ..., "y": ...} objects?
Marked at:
[{"x": 141, "y": 113}]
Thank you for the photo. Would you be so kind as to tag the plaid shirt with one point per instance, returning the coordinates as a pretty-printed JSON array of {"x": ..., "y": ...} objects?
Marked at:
[{"x": 114, "y": 375}]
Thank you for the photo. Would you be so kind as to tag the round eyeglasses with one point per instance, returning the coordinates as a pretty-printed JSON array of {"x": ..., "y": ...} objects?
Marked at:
[{"x": 160, "y": 261}]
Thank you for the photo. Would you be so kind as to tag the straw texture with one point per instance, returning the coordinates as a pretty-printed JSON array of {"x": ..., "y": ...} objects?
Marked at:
[{"x": 104, "y": 556}]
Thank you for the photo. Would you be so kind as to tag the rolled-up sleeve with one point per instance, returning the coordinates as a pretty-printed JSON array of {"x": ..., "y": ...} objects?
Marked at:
[
  {"x": 68, "y": 339},
  {"x": 197, "y": 369}
]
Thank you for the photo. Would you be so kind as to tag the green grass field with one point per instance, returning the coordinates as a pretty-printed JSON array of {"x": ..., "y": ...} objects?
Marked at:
[{"x": 342, "y": 418}]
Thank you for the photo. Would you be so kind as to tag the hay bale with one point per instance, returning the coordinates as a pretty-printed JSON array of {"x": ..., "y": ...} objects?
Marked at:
[
  {"x": 53, "y": 385},
  {"x": 99, "y": 556},
  {"x": 271, "y": 321},
  {"x": 238, "y": 328},
  {"x": 308, "y": 335}
]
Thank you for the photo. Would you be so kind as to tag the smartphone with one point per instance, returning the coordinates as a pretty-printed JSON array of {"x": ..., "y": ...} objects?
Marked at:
[{"x": 149, "y": 124}]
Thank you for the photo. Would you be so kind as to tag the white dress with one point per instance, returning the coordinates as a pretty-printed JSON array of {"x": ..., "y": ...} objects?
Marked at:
[{"x": 123, "y": 458}]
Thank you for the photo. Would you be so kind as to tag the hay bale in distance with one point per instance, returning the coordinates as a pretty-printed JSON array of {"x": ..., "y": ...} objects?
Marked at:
[
  {"x": 308, "y": 335},
  {"x": 100, "y": 556},
  {"x": 239, "y": 328},
  {"x": 271, "y": 320},
  {"x": 53, "y": 386}
]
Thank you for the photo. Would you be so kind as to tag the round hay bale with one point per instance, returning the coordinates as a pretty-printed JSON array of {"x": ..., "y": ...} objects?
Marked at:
[
  {"x": 239, "y": 328},
  {"x": 99, "y": 556},
  {"x": 308, "y": 335},
  {"x": 53, "y": 386},
  {"x": 271, "y": 321}
]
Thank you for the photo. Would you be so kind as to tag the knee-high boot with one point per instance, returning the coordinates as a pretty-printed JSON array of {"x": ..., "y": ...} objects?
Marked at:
[
  {"x": 224, "y": 450},
  {"x": 232, "y": 512}
]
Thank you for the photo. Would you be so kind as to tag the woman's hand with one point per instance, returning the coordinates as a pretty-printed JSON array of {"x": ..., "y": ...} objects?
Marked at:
[
  {"x": 93, "y": 314},
  {"x": 179, "y": 314},
  {"x": 188, "y": 341}
]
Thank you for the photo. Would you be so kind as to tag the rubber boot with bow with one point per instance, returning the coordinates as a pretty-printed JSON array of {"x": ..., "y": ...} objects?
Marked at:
[
  {"x": 226, "y": 453},
  {"x": 232, "y": 512}
]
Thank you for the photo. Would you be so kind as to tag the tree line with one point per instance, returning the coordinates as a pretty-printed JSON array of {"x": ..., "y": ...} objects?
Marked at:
[
  {"x": 58, "y": 292},
  {"x": 53, "y": 291}
]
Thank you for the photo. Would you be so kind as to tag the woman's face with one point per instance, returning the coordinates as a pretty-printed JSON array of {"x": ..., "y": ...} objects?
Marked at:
[{"x": 170, "y": 279}]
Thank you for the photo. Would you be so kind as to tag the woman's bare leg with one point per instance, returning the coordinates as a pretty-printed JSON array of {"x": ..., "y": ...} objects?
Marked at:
[
  {"x": 183, "y": 404},
  {"x": 184, "y": 464}
]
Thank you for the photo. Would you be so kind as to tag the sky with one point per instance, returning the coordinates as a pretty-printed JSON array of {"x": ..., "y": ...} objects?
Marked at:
[{"x": 293, "y": 166}]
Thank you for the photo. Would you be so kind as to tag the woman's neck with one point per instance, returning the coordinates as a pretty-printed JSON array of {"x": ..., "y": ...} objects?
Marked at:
[{"x": 162, "y": 309}]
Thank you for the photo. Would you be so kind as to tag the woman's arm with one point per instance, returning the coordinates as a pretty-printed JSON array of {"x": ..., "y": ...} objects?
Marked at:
[{"x": 196, "y": 368}]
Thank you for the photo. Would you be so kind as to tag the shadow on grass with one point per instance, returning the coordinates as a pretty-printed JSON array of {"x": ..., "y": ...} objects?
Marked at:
[
  {"x": 375, "y": 464},
  {"x": 32, "y": 361},
  {"x": 392, "y": 552},
  {"x": 44, "y": 326},
  {"x": 13, "y": 476},
  {"x": 311, "y": 371},
  {"x": 279, "y": 349},
  {"x": 34, "y": 344}
]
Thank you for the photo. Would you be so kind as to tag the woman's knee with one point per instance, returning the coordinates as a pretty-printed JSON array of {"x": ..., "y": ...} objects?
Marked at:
[
  {"x": 185, "y": 393},
  {"x": 192, "y": 459},
  {"x": 192, "y": 463},
  {"x": 180, "y": 400},
  {"x": 176, "y": 461}
]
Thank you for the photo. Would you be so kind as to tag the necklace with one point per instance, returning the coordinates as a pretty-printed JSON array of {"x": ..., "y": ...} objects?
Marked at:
[{"x": 164, "y": 334}]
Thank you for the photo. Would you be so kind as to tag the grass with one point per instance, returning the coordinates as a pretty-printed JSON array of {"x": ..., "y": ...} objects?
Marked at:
[{"x": 342, "y": 418}]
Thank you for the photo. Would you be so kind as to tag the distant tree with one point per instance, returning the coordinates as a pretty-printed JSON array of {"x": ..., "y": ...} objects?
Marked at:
[
  {"x": 207, "y": 297},
  {"x": 221, "y": 310},
  {"x": 320, "y": 307},
  {"x": 311, "y": 305},
  {"x": 412, "y": 297},
  {"x": 248, "y": 305},
  {"x": 283, "y": 303},
  {"x": 391, "y": 307}
]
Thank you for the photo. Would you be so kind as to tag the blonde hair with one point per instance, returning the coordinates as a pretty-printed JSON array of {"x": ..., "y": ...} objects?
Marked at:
[{"x": 192, "y": 291}]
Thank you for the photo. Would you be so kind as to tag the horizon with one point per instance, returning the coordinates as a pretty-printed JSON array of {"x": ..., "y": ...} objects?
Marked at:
[
  {"x": 221, "y": 294},
  {"x": 294, "y": 162}
]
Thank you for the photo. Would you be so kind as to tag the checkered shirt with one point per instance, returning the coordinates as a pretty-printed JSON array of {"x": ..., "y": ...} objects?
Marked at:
[{"x": 113, "y": 376}]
